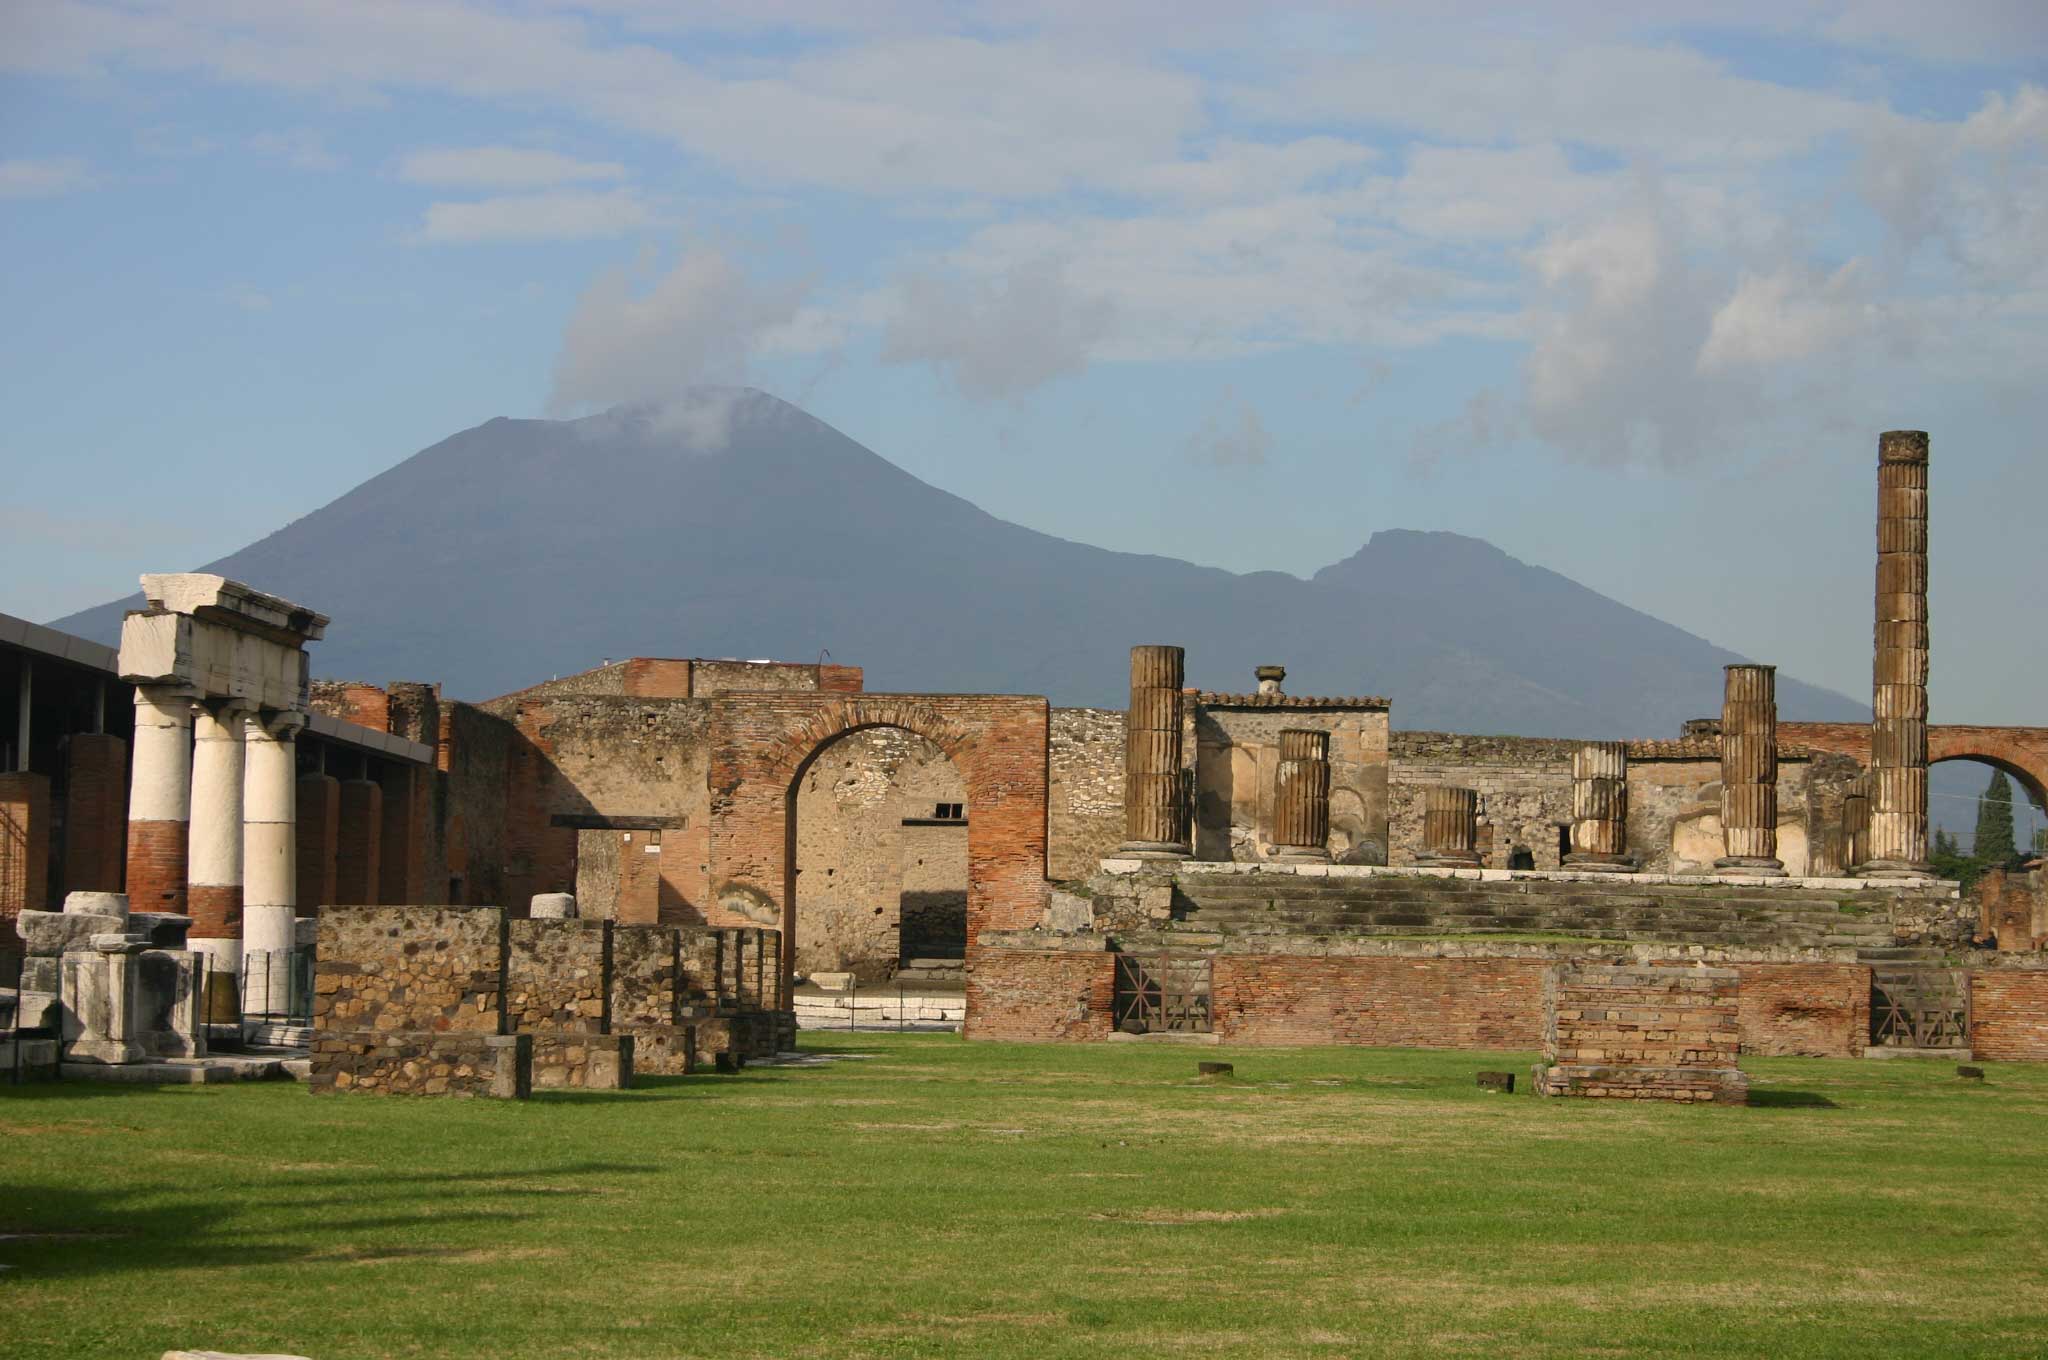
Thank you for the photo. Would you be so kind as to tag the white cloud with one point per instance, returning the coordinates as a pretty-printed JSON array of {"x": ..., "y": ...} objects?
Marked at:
[
  {"x": 300, "y": 148},
  {"x": 43, "y": 178},
  {"x": 701, "y": 322},
  {"x": 532, "y": 217},
  {"x": 999, "y": 336},
  {"x": 503, "y": 167},
  {"x": 1789, "y": 314}
]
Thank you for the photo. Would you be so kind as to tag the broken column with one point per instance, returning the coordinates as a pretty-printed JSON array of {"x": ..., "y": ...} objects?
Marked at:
[
  {"x": 1898, "y": 729},
  {"x": 1600, "y": 808},
  {"x": 1155, "y": 822},
  {"x": 1749, "y": 773},
  {"x": 160, "y": 796},
  {"x": 1301, "y": 797},
  {"x": 270, "y": 861},
  {"x": 1450, "y": 827}
]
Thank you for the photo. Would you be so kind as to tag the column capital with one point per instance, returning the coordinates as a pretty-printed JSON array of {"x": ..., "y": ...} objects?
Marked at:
[
  {"x": 224, "y": 708},
  {"x": 281, "y": 724}
]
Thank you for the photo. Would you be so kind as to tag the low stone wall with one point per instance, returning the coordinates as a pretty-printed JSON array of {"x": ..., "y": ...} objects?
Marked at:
[
  {"x": 596, "y": 1062},
  {"x": 388, "y": 1062},
  {"x": 1381, "y": 1002},
  {"x": 556, "y": 976},
  {"x": 1630, "y": 1032},
  {"x": 1052, "y": 994},
  {"x": 1809, "y": 1010},
  {"x": 428, "y": 969}
]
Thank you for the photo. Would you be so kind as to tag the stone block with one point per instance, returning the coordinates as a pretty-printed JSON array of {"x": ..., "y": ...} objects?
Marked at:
[
  {"x": 163, "y": 929},
  {"x": 50, "y": 934},
  {"x": 97, "y": 904},
  {"x": 553, "y": 907}
]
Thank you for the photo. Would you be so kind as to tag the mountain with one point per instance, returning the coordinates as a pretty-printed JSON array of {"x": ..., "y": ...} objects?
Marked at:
[{"x": 737, "y": 525}]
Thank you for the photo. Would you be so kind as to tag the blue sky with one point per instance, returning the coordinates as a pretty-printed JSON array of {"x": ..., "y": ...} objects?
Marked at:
[{"x": 1630, "y": 299}]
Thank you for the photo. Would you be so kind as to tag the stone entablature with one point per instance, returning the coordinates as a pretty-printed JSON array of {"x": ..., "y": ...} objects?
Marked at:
[{"x": 1212, "y": 699}]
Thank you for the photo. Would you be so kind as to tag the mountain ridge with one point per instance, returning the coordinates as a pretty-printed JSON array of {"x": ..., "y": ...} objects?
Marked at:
[{"x": 737, "y": 524}]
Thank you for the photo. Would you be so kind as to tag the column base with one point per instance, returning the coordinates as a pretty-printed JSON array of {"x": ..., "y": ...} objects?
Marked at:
[
  {"x": 1443, "y": 861},
  {"x": 1750, "y": 866},
  {"x": 1301, "y": 854},
  {"x": 1600, "y": 864},
  {"x": 221, "y": 996},
  {"x": 1162, "y": 850},
  {"x": 1894, "y": 868}
]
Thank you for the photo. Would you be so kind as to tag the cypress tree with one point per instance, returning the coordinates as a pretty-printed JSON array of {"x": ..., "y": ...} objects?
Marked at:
[{"x": 1993, "y": 845}]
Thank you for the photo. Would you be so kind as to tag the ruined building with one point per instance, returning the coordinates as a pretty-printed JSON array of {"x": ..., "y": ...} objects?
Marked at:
[{"x": 1260, "y": 866}]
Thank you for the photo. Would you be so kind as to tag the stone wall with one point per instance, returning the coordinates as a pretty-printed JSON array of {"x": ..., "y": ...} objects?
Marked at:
[
  {"x": 1634, "y": 1032},
  {"x": 422, "y": 1063},
  {"x": 1085, "y": 790},
  {"x": 557, "y": 976},
  {"x": 1234, "y": 749},
  {"x": 477, "y": 747},
  {"x": 410, "y": 969}
]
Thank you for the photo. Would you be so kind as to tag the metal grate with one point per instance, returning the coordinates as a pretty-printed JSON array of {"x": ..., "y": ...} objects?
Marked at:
[
  {"x": 1920, "y": 1007},
  {"x": 1162, "y": 993}
]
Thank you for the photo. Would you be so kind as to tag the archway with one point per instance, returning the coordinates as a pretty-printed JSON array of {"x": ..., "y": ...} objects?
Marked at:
[{"x": 879, "y": 820}]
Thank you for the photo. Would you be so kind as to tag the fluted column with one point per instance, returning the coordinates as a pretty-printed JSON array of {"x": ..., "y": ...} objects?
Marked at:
[
  {"x": 1600, "y": 808},
  {"x": 1450, "y": 827},
  {"x": 1301, "y": 797},
  {"x": 160, "y": 799},
  {"x": 1856, "y": 823},
  {"x": 1749, "y": 773},
  {"x": 1898, "y": 730},
  {"x": 1155, "y": 822},
  {"x": 270, "y": 860}
]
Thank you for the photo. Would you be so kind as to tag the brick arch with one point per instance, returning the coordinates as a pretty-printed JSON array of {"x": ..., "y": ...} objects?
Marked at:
[
  {"x": 762, "y": 743},
  {"x": 2021, "y": 752}
]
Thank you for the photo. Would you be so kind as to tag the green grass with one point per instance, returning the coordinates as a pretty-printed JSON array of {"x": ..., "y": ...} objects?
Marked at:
[{"x": 941, "y": 1198}]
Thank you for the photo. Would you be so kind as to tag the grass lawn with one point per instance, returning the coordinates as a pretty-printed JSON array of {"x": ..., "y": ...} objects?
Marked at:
[{"x": 940, "y": 1198}]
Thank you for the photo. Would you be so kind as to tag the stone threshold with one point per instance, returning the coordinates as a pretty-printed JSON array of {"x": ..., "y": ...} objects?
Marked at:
[
  {"x": 1136, "y": 867},
  {"x": 217, "y": 1069},
  {"x": 1961, "y": 1055}
]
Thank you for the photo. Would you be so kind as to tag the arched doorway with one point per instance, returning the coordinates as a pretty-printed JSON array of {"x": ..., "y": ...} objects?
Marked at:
[
  {"x": 1960, "y": 787},
  {"x": 880, "y": 819}
]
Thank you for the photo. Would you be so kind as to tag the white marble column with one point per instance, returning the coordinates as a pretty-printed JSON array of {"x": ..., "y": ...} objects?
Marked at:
[
  {"x": 215, "y": 891},
  {"x": 269, "y": 860}
]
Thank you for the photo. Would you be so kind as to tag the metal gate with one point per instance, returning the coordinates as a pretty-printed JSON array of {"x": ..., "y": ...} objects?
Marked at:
[
  {"x": 1920, "y": 1007},
  {"x": 1162, "y": 993}
]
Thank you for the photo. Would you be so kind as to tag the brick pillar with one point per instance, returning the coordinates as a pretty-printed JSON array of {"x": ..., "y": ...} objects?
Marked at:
[
  {"x": 24, "y": 851},
  {"x": 1155, "y": 823},
  {"x": 319, "y": 833},
  {"x": 1450, "y": 827},
  {"x": 1600, "y": 808},
  {"x": 399, "y": 881},
  {"x": 95, "y": 812},
  {"x": 640, "y": 855},
  {"x": 1898, "y": 730},
  {"x": 160, "y": 799},
  {"x": 270, "y": 874},
  {"x": 358, "y": 843},
  {"x": 1749, "y": 773},
  {"x": 1301, "y": 797}
]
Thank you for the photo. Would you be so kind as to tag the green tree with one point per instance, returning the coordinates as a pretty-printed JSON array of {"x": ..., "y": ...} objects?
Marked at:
[
  {"x": 1993, "y": 845},
  {"x": 1949, "y": 861}
]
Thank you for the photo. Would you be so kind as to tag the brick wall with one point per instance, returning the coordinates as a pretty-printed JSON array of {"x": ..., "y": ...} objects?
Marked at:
[
  {"x": 358, "y": 844},
  {"x": 24, "y": 849},
  {"x": 95, "y": 812},
  {"x": 1031, "y": 995},
  {"x": 1813, "y": 1010},
  {"x": 2009, "y": 1014},
  {"x": 351, "y": 701},
  {"x": 318, "y": 836},
  {"x": 401, "y": 856},
  {"x": 478, "y": 748},
  {"x": 1636, "y": 1032},
  {"x": 1379, "y": 1002}
]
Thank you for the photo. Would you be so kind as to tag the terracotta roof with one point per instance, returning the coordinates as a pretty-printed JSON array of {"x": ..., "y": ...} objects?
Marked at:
[{"x": 1215, "y": 700}]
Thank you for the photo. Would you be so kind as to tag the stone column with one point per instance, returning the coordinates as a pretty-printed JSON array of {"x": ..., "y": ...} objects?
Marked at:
[
  {"x": 270, "y": 860},
  {"x": 1155, "y": 824},
  {"x": 358, "y": 845},
  {"x": 1749, "y": 773},
  {"x": 1898, "y": 731},
  {"x": 214, "y": 873},
  {"x": 1600, "y": 808},
  {"x": 1450, "y": 819},
  {"x": 1301, "y": 797},
  {"x": 1856, "y": 823},
  {"x": 95, "y": 811},
  {"x": 160, "y": 799}
]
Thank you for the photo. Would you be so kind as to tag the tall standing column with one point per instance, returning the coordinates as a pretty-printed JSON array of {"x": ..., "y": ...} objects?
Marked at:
[
  {"x": 1749, "y": 773},
  {"x": 270, "y": 861},
  {"x": 214, "y": 886},
  {"x": 1155, "y": 823},
  {"x": 160, "y": 799},
  {"x": 1600, "y": 808},
  {"x": 1898, "y": 730},
  {"x": 1301, "y": 797},
  {"x": 1450, "y": 828}
]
